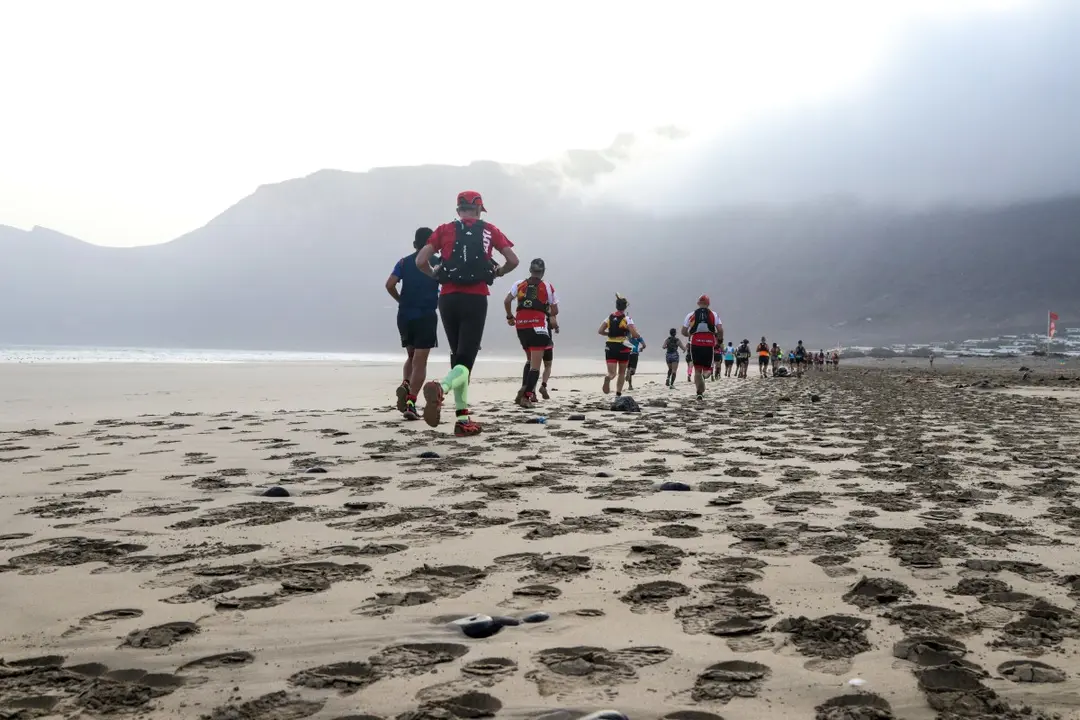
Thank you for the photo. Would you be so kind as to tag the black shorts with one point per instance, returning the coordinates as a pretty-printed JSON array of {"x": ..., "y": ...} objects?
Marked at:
[
  {"x": 729, "y": 363},
  {"x": 632, "y": 362},
  {"x": 617, "y": 353},
  {"x": 763, "y": 360},
  {"x": 420, "y": 333},
  {"x": 702, "y": 356},
  {"x": 717, "y": 358},
  {"x": 549, "y": 353},
  {"x": 533, "y": 340}
]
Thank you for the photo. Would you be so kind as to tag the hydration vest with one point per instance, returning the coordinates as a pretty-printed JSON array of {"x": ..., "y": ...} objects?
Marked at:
[
  {"x": 528, "y": 297},
  {"x": 702, "y": 316},
  {"x": 616, "y": 325},
  {"x": 469, "y": 262}
]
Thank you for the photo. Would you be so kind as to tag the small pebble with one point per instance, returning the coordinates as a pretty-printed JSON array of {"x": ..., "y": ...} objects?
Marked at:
[
  {"x": 429, "y": 455},
  {"x": 606, "y": 715},
  {"x": 676, "y": 486},
  {"x": 576, "y": 417},
  {"x": 315, "y": 471},
  {"x": 536, "y": 617},
  {"x": 276, "y": 491}
]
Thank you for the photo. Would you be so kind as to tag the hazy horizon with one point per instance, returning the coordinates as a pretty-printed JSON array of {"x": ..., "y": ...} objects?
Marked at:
[{"x": 176, "y": 138}]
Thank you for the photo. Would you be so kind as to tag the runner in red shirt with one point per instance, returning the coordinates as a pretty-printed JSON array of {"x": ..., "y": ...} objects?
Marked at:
[
  {"x": 705, "y": 331},
  {"x": 537, "y": 308},
  {"x": 466, "y": 270}
]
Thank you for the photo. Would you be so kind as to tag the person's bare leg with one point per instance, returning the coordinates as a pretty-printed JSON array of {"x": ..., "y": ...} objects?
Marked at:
[
  {"x": 405, "y": 388},
  {"x": 536, "y": 359},
  {"x": 611, "y": 370},
  {"x": 699, "y": 381},
  {"x": 418, "y": 369},
  {"x": 545, "y": 378},
  {"x": 621, "y": 381}
]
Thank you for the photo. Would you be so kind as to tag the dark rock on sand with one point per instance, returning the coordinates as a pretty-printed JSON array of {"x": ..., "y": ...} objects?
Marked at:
[
  {"x": 672, "y": 485},
  {"x": 625, "y": 403},
  {"x": 276, "y": 491}
]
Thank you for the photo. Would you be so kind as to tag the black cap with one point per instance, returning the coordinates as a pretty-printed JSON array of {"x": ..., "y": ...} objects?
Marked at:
[{"x": 537, "y": 265}]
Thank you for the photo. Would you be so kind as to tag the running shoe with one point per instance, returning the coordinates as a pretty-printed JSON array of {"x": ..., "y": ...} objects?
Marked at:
[
  {"x": 527, "y": 400},
  {"x": 433, "y": 398},
  {"x": 520, "y": 397},
  {"x": 607, "y": 385},
  {"x": 402, "y": 397},
  {"x": 544, "y": 392},
  {"x": 466, "y": 429},
  {"x": 410, "y": 412}
]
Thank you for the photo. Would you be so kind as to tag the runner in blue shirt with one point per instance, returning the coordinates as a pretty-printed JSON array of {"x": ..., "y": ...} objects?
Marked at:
[
  {"x": 417, "y": 321},
  {"x": 637, "y": 344}
]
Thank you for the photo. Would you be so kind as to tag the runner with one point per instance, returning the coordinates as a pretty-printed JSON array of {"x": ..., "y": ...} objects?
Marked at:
[
  {"x": 820, "y": 360},
  {"x": 689, "y": 365},
  {"x": 729, "y": 359},
  {"x": 717, "y": 361},
  {"x": 672, "y": 347},
  {"x": 742, "y": 359},
  {"x": 417, "y": 321},
  {"x": 800, "y": 358},
  {"x": 763, "y": 357},
  {"x": 705, "y": 331},
  {"x": 836, "y": 359},
  {"x": 931, "y": 358},
  {"x": 637, "y": 344},
  {"x": 466, "y": 271},
  {"x": 618, "y": 329},
  {"x": 537, "y": 308},
  {"x": 777, "y": 357}
]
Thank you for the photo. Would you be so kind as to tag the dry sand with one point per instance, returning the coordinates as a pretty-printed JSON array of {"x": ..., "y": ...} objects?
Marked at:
[{"x": 141, "y": 571}]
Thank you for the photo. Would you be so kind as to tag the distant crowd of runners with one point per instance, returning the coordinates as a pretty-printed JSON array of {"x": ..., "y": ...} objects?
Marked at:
[{"x": 449, "y": 276}]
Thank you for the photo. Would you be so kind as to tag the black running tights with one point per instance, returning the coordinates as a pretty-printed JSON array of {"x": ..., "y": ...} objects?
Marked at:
[{"x": 463, "y": 318}]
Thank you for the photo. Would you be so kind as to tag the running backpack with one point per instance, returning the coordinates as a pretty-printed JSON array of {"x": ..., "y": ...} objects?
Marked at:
[
  {"x": 671, "y": 344},
  {"x": 469, "y": 262},
  {"x": 616, "y": 325},
  {"x": 703, "y": 316},
  {"x": 528, "y": 297}
]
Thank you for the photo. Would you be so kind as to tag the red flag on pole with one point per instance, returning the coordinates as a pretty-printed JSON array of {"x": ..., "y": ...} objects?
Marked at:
[{"x": 1052, "y": 327}]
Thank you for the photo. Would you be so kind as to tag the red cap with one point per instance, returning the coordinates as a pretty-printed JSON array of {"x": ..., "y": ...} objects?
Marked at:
[
  {"x": 703, "y": 299},
  {"x": 470, "y": 198}
]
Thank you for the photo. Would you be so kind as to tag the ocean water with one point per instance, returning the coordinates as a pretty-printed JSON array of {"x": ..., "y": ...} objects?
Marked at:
[{"x": 53, "y": 355}]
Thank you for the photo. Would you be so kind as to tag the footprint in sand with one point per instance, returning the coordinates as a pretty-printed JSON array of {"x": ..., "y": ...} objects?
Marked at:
[
  {"x": 564, "y": 670},
  {"x": 831, "y": 637},
  {"x": 859, "y": 706},
  {"x": 654, "y": 596},
  {"x": 32, "y": 687},
  {"x": 409, "y": 659},
  {"x": 273, "y": 706},
  {"x": 726, "y": 680},
  {"x": 160, "y": 636},
  {"x": 221, "y": 660}
]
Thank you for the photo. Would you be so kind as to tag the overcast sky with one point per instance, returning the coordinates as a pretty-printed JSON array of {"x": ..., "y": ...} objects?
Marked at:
[{"x": 131, "y": 122}]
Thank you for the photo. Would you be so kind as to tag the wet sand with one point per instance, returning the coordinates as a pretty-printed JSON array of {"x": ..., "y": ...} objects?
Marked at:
[{"x": 914, "y": 529}]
